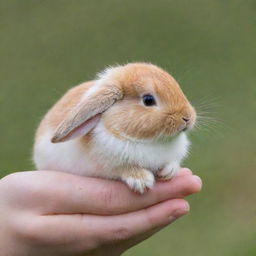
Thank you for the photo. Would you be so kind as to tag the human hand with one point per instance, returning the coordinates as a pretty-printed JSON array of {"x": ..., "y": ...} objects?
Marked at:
[{"x": 55, "y": 213}]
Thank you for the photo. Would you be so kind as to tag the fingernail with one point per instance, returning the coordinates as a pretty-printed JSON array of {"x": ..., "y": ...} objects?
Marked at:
[
  {"x": 180, "y": 211},
  {"x": 198, "y": 179}
]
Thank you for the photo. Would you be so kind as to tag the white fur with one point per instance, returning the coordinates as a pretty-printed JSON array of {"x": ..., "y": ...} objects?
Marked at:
[
  {"x": 91, "y": 90},
  {"x": 66, "y": 156},
  {"x": 102, "y": 79},
  {"x": 110, "y": 153},
  {"x": 149, "y": 154},
  {"x": 108, "y": 72}
]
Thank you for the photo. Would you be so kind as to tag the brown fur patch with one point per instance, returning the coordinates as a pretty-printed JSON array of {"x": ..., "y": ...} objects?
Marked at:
[{"x": 62, "y": 107}]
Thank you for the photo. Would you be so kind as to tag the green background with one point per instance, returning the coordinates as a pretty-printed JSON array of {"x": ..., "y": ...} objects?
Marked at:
[{"x": 210, "y": 48}]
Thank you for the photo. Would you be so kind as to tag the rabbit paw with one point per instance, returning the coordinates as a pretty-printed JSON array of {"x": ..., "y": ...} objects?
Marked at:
[
  {"x": 139, "y": 180},
  {"x": 168, "y": 172}
]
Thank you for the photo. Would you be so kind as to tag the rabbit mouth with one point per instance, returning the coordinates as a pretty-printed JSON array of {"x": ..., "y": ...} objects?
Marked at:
[{"x": 185, "y": 128}]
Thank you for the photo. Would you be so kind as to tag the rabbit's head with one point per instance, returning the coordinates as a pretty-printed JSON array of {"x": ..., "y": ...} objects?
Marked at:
[{"x": 136, "y": 101}]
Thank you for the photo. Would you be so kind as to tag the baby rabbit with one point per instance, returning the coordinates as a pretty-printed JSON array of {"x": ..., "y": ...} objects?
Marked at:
[{"x": 128, "y": 124}]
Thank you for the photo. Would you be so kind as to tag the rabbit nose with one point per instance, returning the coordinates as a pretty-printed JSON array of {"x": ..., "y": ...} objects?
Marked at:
[
  {"x": 185, "y": 119},
  {"x": 186, "y": 125}
]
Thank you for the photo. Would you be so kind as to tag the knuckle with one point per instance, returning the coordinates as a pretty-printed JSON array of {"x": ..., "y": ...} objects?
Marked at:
[
  {"x": 151, "y": 219},
  {"x": 37, "y": 232},
  {"x": 20, "y": 187},
  {"x": 109, "y": 198},
  {"x": 120, "y": 233},
  {"x": 40, "y": 232},
  {"x": 30, "y": 230},
  {"x": 10, "y": 183},
  {"x": 8, "y": 179}
]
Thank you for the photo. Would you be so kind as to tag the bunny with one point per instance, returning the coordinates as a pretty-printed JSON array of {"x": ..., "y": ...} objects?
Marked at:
[{"x": 128, "y": 124}]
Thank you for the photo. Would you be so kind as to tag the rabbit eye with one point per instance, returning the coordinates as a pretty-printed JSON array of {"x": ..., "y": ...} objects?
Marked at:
[{"x": 149, "y": 100}]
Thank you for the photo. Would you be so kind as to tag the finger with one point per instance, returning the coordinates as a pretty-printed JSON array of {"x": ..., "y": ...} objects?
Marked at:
[
  {"x": 61, "y": 193},
  {"x": 133, "y": 224},
  {"x": 80, "y": 229},
  {"x": 104, "y": 197}
]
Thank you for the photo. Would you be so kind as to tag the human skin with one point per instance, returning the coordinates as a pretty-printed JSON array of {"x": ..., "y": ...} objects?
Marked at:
[{"x": 56, "y": 214}]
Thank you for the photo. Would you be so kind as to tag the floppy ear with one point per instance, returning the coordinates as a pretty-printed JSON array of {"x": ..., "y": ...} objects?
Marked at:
[{"x": 86, "y": 114}]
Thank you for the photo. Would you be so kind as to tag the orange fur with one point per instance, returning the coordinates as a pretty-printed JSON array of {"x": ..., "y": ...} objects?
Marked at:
[
  {"x": 130, "y": 117},
  {"x": 62, "y": 107}
]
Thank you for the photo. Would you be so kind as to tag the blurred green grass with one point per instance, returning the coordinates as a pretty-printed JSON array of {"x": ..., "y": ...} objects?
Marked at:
[{"x": 209, "y": 46}]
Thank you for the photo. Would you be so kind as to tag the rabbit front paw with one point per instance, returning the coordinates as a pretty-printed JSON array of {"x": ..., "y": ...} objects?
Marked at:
[
  {"x": 168, "y": 172},
  {"x": 139, "y": 180}
]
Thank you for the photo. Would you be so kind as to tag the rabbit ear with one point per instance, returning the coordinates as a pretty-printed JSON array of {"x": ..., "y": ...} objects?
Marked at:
[{"x": 86, "y": 114}]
